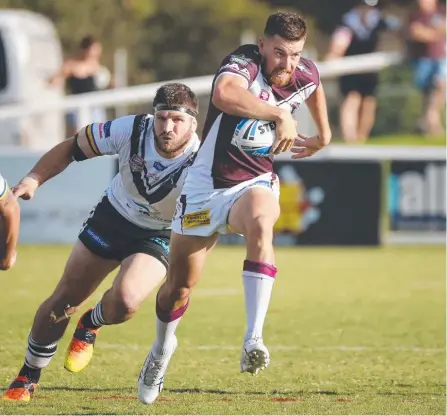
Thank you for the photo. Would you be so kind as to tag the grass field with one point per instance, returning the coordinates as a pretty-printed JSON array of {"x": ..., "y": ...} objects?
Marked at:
[{"x": 350, "y": 331}]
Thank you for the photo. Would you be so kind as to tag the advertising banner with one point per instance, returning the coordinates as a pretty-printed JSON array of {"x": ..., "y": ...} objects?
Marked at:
[{"x": 417, "y": 196}]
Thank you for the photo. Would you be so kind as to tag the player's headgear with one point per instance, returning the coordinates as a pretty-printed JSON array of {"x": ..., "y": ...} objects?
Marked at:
[{"x": 176, "y": 97}]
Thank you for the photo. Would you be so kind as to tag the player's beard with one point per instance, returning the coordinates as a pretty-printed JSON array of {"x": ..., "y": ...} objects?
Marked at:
[
  {"x": 279, "y": 77},
  {"x": 174, "y": 145}
]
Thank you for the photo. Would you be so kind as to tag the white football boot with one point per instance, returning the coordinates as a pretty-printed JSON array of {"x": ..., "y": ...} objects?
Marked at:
[
  {"x": 150, "y": 380},
  {"x": 255, "y": 356}
]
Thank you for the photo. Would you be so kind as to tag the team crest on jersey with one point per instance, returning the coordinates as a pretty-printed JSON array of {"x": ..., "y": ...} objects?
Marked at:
[
  {"x": 294, "y": 107},
  {"x": 136, "y": 163},
  {"x": 264, "y": 95}
]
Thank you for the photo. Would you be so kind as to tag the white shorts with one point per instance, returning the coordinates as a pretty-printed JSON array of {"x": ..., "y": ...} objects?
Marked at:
[{"x": 206, "y": 213}]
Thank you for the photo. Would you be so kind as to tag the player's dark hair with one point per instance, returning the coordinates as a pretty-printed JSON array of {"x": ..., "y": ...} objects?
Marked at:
[
  {"x": 176, "y": 95},
  {"x": 289, "y": 25},
  {"x": 87, "y": 41}
]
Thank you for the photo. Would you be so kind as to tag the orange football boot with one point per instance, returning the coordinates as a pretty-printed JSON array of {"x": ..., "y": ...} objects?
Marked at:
[
  {"x": 21, "y": 389},
  {"x": 80, "y": 350}
]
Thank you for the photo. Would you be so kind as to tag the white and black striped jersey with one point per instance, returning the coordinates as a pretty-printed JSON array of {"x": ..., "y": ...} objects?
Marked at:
[{"x": 147, "y": 185}]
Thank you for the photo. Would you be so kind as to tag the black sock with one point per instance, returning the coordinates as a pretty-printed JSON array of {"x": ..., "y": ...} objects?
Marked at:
[
  {"x": 33, "y": 374},
  {"x": 87, "y": 321}
]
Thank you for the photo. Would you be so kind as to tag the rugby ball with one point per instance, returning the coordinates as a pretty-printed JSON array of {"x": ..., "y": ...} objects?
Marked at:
[{"x": 254, "y": 137}]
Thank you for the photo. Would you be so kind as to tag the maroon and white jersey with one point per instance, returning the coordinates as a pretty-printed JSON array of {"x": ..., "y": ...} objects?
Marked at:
[{"x": 220, "y": 161}]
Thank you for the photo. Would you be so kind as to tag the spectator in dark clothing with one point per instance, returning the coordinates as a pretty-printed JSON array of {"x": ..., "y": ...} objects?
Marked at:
[
  {"x": 83, "y": 73},
  {"x": 359, "y": 34}
]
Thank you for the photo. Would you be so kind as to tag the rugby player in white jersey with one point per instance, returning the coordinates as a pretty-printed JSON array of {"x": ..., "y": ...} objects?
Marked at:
[
  {"x": 9, "y": 226},
  {"x": 228, "y": 187},
  {"x": 129, "y": 228}
]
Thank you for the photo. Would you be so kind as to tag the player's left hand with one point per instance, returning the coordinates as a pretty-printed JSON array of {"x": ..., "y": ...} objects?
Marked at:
[{"x": 306, "y": 146}]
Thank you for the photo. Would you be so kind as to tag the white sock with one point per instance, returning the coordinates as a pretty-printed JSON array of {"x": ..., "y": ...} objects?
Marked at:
[
  {"x": 37, "y": 355},
  {"x": 166, "y": 324},
  {"x": 258, "y": 284}
]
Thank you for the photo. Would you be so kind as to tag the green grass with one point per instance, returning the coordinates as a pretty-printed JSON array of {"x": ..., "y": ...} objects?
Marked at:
[{"x": 350, "y": 331}]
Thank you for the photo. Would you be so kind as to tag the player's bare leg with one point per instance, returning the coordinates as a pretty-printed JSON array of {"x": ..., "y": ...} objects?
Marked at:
[
  {"x": 187, "y": 258},
  {"x": 366, "y": 117},
  {"x": 83, "y": 273},
  {"x": 433, "y": 109},
  {"x": 254, "y": 216},
  {"x": 139, "y": 275},
  {"x": 349, "y": 115}
]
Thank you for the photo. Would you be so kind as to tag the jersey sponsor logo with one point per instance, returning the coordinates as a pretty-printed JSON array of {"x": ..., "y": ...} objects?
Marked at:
[
  {"x": 237, "y": 68},
  {"x": 106, "y": 129},
  {"x": 101, "y": 131},
  {"x": 196, "y": 219},
  {"x": 264, "y": 95},
  {"x": 231, "y": 66},
  {"x": 96, "y": 238},
  {"x": 136, "y": 163},
  {"x": 240, "y": 59},
  {"x": 159, "y": 166}
]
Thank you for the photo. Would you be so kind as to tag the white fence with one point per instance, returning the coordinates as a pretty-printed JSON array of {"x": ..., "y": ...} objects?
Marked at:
[{"x": 84, "y": 103}]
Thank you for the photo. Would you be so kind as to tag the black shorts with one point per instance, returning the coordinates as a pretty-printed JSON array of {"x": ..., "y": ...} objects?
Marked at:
[
  {"x": 364, "y": 84},
  {"x": 109, "y": 235}
]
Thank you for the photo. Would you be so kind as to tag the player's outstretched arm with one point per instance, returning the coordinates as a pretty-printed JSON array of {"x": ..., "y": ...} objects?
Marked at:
[
  {"x": 9, "y": 226},
  {"x": 55, "y": 161},
  {"x": 306, "y": 146},
  {"x": 231, "y": 96}
]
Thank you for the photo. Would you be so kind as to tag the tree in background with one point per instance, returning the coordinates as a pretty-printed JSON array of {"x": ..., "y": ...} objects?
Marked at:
[
  {"x": 165, "y": 39},
  {"x": 182, "y": 41}
]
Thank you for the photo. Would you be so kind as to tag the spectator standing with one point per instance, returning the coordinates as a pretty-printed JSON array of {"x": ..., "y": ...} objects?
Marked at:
[
  {"x": 427, "y": 48},
  {"x": 358, "y": 34}
]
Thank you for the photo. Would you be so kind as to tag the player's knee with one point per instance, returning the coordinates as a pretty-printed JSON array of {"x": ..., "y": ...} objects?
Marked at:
[
  {"x": 124, "y": 310},
  {"x": 125, "y": 304},
  {"x": 178, "y": 293},
  {"x": 259, "y": 231}
]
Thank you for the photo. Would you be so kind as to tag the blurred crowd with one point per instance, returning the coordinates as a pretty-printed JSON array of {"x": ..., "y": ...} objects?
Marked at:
[
  {"x": 359, "y": 32},
  {"x": 425, "y": 33}
]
